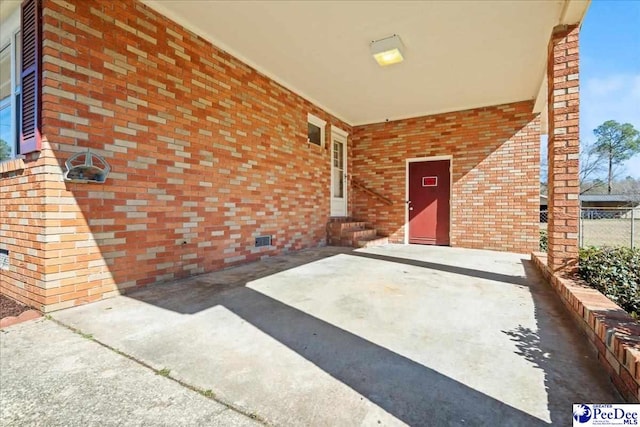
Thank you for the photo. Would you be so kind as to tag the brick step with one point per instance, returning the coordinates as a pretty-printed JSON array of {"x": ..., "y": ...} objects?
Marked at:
[
  {"x": 342, "y": 219},
  {"x": 352, "y": 225},
  {"x": 338, "y": 227},
  {"x": 353, "y": 235},
  {"x": 373, "y": 241}
]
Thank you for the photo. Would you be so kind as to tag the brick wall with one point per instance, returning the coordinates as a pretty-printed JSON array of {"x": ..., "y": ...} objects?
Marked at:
[
  {"x": 563, "y": 147},
  {"x": 496, "y": 158},
  {"x": 23, "y": 186},
  {"x": 206, "y": 154}
]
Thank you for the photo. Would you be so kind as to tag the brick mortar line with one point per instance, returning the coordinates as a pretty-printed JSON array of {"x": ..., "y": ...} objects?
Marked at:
[{"x": 227, "y": 405}]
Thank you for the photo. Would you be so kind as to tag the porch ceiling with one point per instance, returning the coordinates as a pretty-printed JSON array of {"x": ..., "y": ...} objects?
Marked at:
[{"x": 458, "y": 55}]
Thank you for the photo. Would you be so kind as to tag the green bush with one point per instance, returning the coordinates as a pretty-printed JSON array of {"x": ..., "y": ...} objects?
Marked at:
[
  {"x": 544, "y": 240},
  {"x": 615, "y": 272}
]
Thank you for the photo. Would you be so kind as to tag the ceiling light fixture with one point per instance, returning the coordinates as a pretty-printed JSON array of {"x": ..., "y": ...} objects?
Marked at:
[{"x": 387, "y": 51}]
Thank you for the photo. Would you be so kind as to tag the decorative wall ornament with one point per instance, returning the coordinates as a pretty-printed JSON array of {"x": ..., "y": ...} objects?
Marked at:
[{"x": 86, "y": 167}]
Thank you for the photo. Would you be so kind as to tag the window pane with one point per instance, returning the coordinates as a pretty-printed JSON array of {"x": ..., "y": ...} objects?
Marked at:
[
  {"x": 338, "y": 169},
  {"x": 338, "y": 183},
  {"x": 314, "y": 134},
  {"x": 5, "y": 132},
  {"x": 5, "y": 74},
  {"x": 18, "y": 56}
]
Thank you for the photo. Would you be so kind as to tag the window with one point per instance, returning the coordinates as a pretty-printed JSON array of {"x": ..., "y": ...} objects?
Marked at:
[
  {"x": 315, "y": 130},
  {"x": 20, "y": 80},
  {"x": 9, "y": 93}
]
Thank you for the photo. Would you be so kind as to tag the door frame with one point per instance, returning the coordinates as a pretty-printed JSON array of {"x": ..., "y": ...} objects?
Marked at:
[
  {"x": 343, "y": 135},
  {"x": 406, "y": 190}
]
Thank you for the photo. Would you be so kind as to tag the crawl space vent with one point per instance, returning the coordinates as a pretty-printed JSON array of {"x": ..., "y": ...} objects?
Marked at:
[
  {"x": 4, "y": 259},
  {"x": 263, "y": 241}
]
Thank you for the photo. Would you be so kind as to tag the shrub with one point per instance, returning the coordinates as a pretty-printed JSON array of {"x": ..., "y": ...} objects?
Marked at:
[
  {"x": 544, "y": 240},
  {"x": 615, "y": 272}
]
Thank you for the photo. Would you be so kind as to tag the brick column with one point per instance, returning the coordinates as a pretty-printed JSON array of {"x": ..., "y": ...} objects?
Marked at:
[{"x": 563, "y": 148}]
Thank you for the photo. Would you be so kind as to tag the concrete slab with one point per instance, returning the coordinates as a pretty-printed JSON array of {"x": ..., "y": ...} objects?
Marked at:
[
  {"x": 381, "y": 336},
  {"x": 50, "y": 376}
]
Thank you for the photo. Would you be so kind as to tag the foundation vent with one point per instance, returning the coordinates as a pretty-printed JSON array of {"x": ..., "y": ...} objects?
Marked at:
[
  {"x": 263, "y": 241},
  {"x": 4, "y": 259}
]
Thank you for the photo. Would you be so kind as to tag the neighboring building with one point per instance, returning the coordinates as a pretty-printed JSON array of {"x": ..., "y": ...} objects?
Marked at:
[
  {"x": 610, "y": 206},
  {"x": 182, "y": 156},
  {"x": 609, "y": 200},
  {"x": 600, "y": 206},
  {"x": 601, "y": 201}
]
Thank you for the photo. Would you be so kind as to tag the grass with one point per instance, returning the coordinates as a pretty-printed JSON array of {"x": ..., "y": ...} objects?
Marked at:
[{"x": 164, "y": 372}]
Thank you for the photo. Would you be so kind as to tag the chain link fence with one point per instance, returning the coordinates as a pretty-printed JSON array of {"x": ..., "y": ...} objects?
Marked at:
[
  {"x": 610, "y": 227},
  {"x": 603, "y": 226}
]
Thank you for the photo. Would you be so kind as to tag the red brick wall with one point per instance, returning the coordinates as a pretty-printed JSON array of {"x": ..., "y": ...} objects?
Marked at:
[
  {"x": 23, "y": 213},
  {"x": 206, "y": 154},
  {"x": 496, "y": 158},
  {"x": 563, "y": 100}
]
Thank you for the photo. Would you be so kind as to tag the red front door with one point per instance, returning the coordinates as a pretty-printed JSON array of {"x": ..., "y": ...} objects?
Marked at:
[{"x": 429, "y": 192}]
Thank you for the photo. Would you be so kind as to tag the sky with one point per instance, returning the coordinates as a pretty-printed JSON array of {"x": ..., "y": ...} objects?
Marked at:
[{"x": 610, "y": 70}]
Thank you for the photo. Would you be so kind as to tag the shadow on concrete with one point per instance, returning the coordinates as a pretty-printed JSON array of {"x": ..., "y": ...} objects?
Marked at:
[
  {"x": 546, "y": 348},
  {"x": 409, "y": 391},
  {"x": 480, "y": 274},
  {"x": 203, "y": 290}
]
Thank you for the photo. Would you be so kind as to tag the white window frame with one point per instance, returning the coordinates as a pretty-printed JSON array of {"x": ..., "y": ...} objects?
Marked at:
[
  {"x": 9, "y": 30},
  {"x": 317, "y": 121}
]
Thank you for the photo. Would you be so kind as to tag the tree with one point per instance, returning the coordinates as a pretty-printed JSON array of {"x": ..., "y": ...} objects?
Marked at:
[
  {"x": 5, "y": 150},
  {"x": 629, "y": 185},
  {"x": 590, "y": 167},
  {"x": 617, "y": 143}
]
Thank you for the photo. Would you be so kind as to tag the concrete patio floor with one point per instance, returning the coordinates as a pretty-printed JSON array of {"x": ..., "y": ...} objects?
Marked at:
[
  {"x": 381, "y": 336},
  {"x": 50, "y": 376}
]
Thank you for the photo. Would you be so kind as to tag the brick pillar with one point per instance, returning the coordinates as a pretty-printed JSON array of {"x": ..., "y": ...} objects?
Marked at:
[{"x": 563, "y": 148}]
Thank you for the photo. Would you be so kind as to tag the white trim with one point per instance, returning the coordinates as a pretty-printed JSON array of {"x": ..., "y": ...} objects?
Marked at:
[
  {"x": 317, "y": 121},
  {"x": 574, "y": 12},
  {"x": 342, "y": 136},
  {"x": 9, "y": 27},
  {"x": 338, "y": 131},
  {"x": 8, "y": 32},
  {"x": 185, "y": 23},
  {"x": 429, "y": 159},
  {"x": 406, "y": 190}
]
